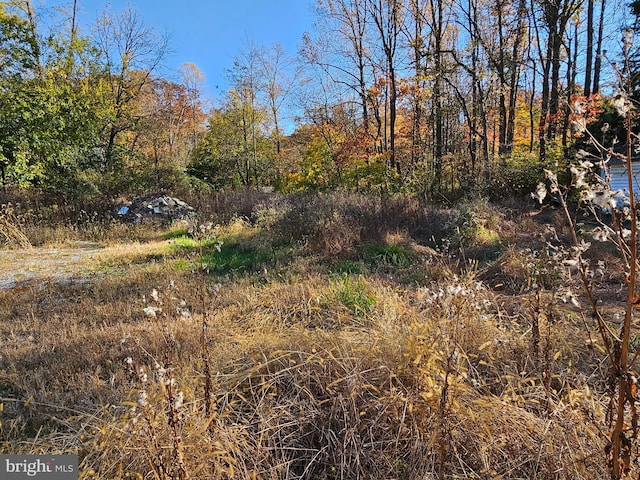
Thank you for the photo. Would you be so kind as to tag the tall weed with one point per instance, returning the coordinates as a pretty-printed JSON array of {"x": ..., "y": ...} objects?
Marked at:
[{"x": 596, "y": 195}]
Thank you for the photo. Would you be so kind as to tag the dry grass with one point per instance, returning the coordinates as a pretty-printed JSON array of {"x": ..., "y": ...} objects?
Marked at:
[
  {"x": 11, "y": 234},
  {"x": 437, "y": 379}
]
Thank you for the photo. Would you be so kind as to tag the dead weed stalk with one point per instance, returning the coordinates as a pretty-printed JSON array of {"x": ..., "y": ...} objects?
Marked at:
[
  {"x": 597, "y": 197},
  {"x": 11, "y": 235}
]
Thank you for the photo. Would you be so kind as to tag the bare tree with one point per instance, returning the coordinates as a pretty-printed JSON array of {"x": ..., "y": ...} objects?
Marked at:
[
  {"x": 245, "y": 82},
  {"x": 342, "y": 48},
  {"x": 555, "y": 16},
  {"x": 437, "y": 33},
  {"x": 415, "y": 32},
  {"x": 388, "y": 15},
  {"x": 131, "y": 54},
  {"x": 193, "y": 79},
  {"x": 279, "y": 78}
]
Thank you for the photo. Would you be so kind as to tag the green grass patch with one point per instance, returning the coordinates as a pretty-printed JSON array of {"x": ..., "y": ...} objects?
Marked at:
[
  {"x": 350, "y": 267},
  {"x": 186, "y": 242},
  {"x": 176, "y": 233},
  {"x": 231, "y": 253},
  {"x": 182, "y": 265},
  {"x": 234, "y": 258},
  {"x": 394, "y": 255},
  {"x": 485, "y": 236},
  {"x": 352, "y": 293}
]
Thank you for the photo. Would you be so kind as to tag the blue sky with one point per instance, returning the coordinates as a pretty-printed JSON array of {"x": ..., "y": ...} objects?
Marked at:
[{"x": 210, "y": 33}]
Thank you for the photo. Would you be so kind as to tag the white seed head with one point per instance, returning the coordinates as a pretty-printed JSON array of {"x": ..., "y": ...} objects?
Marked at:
[
  {"x": 579, "y": 125},
  {"x": 578, "y": 107},
  {"x": 179, "y": 400},
  {"x": 151, "y": 311},
  {"x": 600, "y": 235},
  {"x": 586, "y": 195},
  {"x": 621, "y": 103},
  {"x": 540, "y": 193}
]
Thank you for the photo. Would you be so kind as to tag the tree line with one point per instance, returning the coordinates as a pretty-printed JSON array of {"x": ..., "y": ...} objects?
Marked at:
[
  {"x": 428, "y": 96},
  {"x": 84, "y": 115}
]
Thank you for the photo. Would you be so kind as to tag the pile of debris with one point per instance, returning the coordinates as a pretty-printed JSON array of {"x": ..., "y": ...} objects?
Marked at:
[{"x": 155, "y": 207}]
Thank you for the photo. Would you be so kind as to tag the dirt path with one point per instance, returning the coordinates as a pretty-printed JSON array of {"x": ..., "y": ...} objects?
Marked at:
[{"x": 18, "y": 267}]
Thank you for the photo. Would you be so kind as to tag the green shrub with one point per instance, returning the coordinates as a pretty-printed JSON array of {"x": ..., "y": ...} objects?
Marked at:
[{"x": 516, "y": 176}]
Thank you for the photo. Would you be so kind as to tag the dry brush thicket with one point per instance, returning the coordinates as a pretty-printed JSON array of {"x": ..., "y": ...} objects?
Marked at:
[{"x": 371, "y": 340}]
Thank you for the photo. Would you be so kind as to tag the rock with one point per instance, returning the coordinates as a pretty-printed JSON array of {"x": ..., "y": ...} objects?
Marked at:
[{"x": 155, "y": 207}]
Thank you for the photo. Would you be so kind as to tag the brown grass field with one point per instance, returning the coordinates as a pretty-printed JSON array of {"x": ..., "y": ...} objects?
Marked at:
[{"x": 331, "y": 337}]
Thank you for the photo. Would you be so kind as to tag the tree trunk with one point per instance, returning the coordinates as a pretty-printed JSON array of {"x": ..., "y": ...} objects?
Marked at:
[
  {"x": 544, "y": 103},
  {"x": 516, "y": 59},
  {"x": 500, "y": 67},
  {"x": 554, "y": 88},
  {"x": 393, "y": 98},
  {"x": 416, "y": 134},
  {"x": 386, "y": 17},
  {"x": 589, "y": 53},
  {"x": 246, "y": 175},
  {"x": 436, "y": 8},
  {"x": 598, "y": 61},
  {"x": 532, "y": 98},
  {"x": 572, "y": 58},
  {"x": 358, "y": 40}
]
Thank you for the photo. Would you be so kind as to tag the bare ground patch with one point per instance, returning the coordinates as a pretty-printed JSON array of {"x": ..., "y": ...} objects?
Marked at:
[{"x": 65, "y": 264}]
